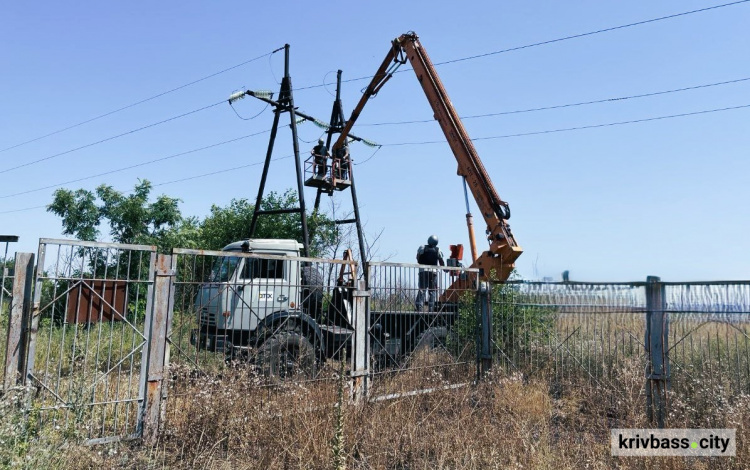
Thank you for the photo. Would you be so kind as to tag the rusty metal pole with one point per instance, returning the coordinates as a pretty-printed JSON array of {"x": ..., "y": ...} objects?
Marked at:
[
  {"x": 18, "y": 321},
  {"x": 7, "y": 239},
  {"x": 360, "y": 358},
  {"x": 157, "y": 347},
  {"x": 484, "y": 359},
  {"x": 657, "y": 347}
]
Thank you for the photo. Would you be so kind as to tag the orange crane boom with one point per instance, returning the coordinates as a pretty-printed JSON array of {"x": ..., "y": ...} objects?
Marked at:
[{"x": 498, "y": 261}]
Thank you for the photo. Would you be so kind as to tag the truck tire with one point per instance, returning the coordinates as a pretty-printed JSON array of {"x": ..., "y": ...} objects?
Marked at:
[
  {"x": 287, "y": 355},
  {"x": 434, "y": 338},
  {"x": 312, "y": 292}
]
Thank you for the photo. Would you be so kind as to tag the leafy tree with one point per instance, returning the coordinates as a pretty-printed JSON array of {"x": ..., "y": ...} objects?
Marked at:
[
  {"x": 131, "y": 218},
  {"x": 231, "y": 223}
]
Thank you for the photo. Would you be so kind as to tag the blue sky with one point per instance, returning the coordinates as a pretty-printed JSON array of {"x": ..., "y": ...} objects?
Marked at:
[{"x": 665, "y": 197}]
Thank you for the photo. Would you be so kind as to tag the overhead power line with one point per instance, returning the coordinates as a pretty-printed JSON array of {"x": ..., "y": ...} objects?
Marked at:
[
  {"x": 226, "y": 170},
  {"x": 158, "y": 95},
  {"x": 591, "y": 33},
  {"x": 549, "y": 131},
  {"x": 148, "y": 162},
  {"x": 202, "y": 175},
  {"x": 132, "y": 131},
  {"x": 567, "y": 129},
  {"x": 550, "y": 41},
  {"x": 137, "y": 165},
  {"x": 23, "y": 209},
  {"x": 568, "y": 105}
]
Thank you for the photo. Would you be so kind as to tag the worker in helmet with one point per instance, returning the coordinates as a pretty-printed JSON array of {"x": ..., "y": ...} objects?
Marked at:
[
  {"x": 428, "y": 254},
  {"x": 320, "y": 154}
]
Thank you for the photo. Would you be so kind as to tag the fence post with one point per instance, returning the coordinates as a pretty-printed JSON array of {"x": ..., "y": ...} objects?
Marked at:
[
  {"x": 18, "y": 321},
  {"x": 157, "y": 347},
  {"x": 657, "y": 347},
  {"x": 485, "y": 329},
  {"x": 360, "y": 358}
]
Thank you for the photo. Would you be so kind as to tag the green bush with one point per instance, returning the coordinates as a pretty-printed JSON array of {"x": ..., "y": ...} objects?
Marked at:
[{"x": 516, "y": 322}]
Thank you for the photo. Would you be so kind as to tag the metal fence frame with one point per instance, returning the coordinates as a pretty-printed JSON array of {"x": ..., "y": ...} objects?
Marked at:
[
  {"x": 102, "y": 385},
  {"x": 395, "y": 290},
  {"x": 589, "y": 331},
  {"x": 7, "y": 273},
  {"x": 680, "y": 334}
]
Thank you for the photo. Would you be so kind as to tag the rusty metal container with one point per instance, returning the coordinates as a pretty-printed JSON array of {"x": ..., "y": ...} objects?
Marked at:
[{"x": 92, "y": 301}]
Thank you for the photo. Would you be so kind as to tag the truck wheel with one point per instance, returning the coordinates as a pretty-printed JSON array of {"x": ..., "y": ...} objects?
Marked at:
[
  {"x": 287, "y": 356},
  {"x": 312, "y": 292},
  {"x": 435, "y": 338}
]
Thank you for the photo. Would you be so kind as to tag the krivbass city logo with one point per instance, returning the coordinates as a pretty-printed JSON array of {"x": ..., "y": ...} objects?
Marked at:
[{"x": 674, "y": 442}]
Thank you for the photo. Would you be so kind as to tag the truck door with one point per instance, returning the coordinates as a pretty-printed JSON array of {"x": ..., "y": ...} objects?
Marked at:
[{"x": 264, "y": 287}]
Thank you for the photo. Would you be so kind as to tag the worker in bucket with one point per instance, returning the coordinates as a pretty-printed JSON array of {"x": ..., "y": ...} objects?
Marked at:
[
  {"x": 320, "y": 153},
  {"x": 428, "y": 254}
]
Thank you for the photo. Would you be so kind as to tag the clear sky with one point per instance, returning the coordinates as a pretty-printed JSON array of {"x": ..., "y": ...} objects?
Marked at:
[{"x": 665, "y": 197}]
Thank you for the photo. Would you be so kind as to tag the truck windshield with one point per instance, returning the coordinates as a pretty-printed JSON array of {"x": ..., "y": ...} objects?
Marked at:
[
  {"x": 259, "y": 268},
  {"x": 223, "y": 268}
]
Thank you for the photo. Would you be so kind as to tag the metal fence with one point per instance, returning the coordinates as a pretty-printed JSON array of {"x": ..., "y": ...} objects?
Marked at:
[
  {"x": 422, "y": 324},
  {"x": 686, "y": 343},
  {"x": 90, "y": 325},
  {"x": 119, "y": 341},
  {"x": 7, "y": 273},
  {"x": 269, "y": 318},
  {"x": 708, "y": 342}
]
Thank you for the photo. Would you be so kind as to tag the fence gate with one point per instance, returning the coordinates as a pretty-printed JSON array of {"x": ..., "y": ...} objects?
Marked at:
[{"x": 87, "y": 355}]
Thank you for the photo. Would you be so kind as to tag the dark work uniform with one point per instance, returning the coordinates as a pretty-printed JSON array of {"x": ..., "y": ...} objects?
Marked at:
[
  {"x": 430, "y": 255},
  {"x": 320, "y": 154}
]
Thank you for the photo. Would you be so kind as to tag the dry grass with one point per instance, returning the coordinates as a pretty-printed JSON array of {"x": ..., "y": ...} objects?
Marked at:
[
  {"x": 233, "y": 422},
  {"x": 555, "y": 416}
]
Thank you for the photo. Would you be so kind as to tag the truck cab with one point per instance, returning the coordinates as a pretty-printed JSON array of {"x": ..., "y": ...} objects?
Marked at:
[
  {"x": 243, "y": 291},
  {"x": 264, "y": 302}
]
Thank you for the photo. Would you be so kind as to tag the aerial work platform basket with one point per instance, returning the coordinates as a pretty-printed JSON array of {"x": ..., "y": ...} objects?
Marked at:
[{"x": 329, "y": 178}]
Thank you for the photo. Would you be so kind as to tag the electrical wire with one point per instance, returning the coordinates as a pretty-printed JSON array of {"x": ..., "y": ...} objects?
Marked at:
[
  {"x": 324, "y": 82},
  {"x": 250, "y": 118},
  {"x": 567, "y": 129},
  {"x": 550, "y": 41},
  {"x": 591, "y": 33},
  {"x": 694, "y": 113},
  {"x": 568, "y": 105},
  {"x": 24, "y": 209},
  {"x": 370, "y": 157},
  {"x": 270, "y": 66},
  {"x": 137, "y": 165},
  {"x": 159, "y": 95},
  {"x": 311, "y": 141},
  {"x": 234, "y": 168},
  {"x": 202, "y": 175},
  {"x": 132, "y": 131}
]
